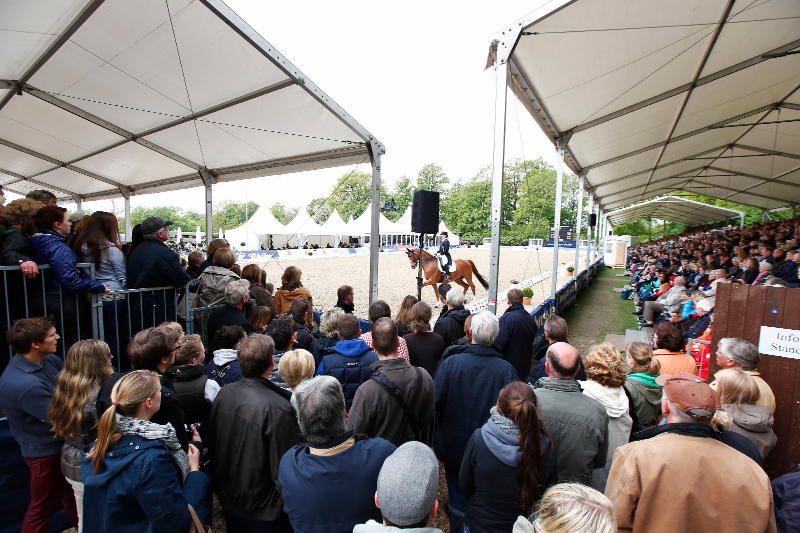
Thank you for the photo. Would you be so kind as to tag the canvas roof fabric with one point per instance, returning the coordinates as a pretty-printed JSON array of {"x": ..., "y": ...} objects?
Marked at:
[
  {"x": 675, "y": 209},
  {"x": 107, "y": 98},
  {"x": 651, "y": 98}
]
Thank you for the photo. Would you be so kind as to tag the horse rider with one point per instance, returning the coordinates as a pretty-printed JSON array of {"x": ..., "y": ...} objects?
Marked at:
[{"x": 444, "y": 252}]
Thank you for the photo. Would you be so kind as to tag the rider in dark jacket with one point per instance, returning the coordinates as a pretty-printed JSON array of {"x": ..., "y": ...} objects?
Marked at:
[{"x": 444, "y": 251}]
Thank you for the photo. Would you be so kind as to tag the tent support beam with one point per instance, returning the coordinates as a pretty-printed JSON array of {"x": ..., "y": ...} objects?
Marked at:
[
  {"x": 208, "y": 183},
  {"x": 78, "y": 203},
  {"x": 376, "y": 150},
  {"x": 589, "y": 210},
  {"x": 765, "y": 151},
  {"x": 128, "y": 231},
  {"x": 557, "y": 222},
  {"x": 581, "y": 181}
]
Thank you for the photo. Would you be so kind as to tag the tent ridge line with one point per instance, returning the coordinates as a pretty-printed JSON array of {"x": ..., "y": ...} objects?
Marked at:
[{"x": 766, "y": 151}]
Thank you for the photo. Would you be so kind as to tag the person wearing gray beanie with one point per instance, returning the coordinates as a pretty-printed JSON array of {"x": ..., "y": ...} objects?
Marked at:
[{"x": 407, "y": 487}]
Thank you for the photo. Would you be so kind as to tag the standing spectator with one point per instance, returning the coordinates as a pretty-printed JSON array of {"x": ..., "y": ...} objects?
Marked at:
[
  {"x": 509, "y": 462},
  {"x": 403, "y": 318},
  {"x": 425, "y": 348},
  {"x": 252, "y": 426},
  {"x": 577, "y": 423},
  {"x": 786, "y": 493},
  {"x": 292, "y": 289},
  {"x": 215, "y": 279},
  {"x": 152, "y": 264},
  {"x": 669, "y": 351},
  {"x": 606, "y": 373},
  {"x": 738, "y": 353},
  {"x": 236, "y": 296},
  {"x": 344, "y": 299},
  {"x": 26, "y": 391},
  {"x": 351, "y": 359},
  {"x": 298, "y": 311},
  {"x": 517, "y": 334},
  {"x": 329, "y": 484},
  {"x": 397, "y": 403},
  {"x": 442, "y": 291},
  {"x": 224, "y": 368},
  {"x": 641, "y": 383},
  {"x": 733, "y": 486},
  {"x": 259, "y": 318},
  {"x": 137, "y": 476},
  {"x": 571, "y": 508},
  {"x": 738, "y": 393},
  {"x": 73, "y": 410},
  {"x": 194, "y": 259},
  {"x": 555, "y": 330},
  {"x": 194, "y": 389},
  {"x": 328, "y": 334},
  {"x": 258, "y": 294},
  {"x": 43, "y": 196},
  {"x": 377, "y": 310},
  {"x": 407, "y": 487},
  {"x": 62, "y": 293},
  {"x": 471, "y": 378},
  {"x": 211, "y": 250},
  {"x": 450, "y": 325},
  {"x": 296, "y": 366},
  {"x": 283, "y": 333},
  {"x": 99, "y": 243}
]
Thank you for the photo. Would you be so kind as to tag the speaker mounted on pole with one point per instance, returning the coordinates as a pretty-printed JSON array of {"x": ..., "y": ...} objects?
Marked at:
[
  {"x": 592, "y": 220},
  {"x": 425, "y": 212}
]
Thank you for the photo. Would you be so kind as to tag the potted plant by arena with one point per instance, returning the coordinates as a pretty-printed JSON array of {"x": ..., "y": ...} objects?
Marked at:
[
  {"x": 527, "y": 294},
  {"x": 243, "y": 244},
  {"x": 570, "y": 270}
]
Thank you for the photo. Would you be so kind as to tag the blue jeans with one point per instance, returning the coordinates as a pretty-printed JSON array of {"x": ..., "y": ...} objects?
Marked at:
[{"x": 117, "y": 332}]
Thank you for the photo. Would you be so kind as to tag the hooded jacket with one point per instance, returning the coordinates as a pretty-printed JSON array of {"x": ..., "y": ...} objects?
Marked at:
[
  {"x": 754, "y": 422},
  {"x": 646, "y": 395},
  {"x": 139, "y": 490},
  {"x": 616, "y": 403},
  {"x": 224, "y": 368},
  {"x": 284, "y": 298},
  {"x": 213, "y": 281},
  {"x": 450, "y": 325},
  {"x": 350, "y": 365},
  {"x": 49, "y": 247}
]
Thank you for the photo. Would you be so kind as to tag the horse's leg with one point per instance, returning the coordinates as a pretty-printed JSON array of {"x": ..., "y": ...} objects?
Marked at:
[
  {"x": 463, "y": 285},
  {"x": 467, "y": 275}
]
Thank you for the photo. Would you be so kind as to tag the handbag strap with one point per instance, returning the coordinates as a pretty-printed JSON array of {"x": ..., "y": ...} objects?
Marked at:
[
  {"x": 394, "y": 390},
  {"x": 197, "y": 527}
]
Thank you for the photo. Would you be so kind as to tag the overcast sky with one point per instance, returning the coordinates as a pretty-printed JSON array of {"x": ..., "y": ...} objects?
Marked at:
[{"x": 412, "y": 73}]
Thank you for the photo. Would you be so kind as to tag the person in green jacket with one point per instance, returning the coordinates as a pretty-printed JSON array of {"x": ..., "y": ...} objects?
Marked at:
[{"x": 641, "y": 383}]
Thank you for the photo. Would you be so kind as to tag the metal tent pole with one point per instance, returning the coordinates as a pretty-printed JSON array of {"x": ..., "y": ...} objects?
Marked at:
[
  {"x": 128, "y": 235},
  {"x": 208, "y": 182},
  {"x": 589, "y": 232},
  {"x": 578, "y": 225},
  {"x": 376, "y": 150},
  {"x": 557, "y": 222}
]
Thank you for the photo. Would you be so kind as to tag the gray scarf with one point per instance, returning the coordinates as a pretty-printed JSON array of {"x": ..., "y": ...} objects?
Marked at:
[
  {"x": 504, "y": 424},
  {"x": 152, "y": 431}
]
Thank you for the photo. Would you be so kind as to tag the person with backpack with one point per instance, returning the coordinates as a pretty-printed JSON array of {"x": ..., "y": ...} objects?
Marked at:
[{"x": 397, "y": 402}]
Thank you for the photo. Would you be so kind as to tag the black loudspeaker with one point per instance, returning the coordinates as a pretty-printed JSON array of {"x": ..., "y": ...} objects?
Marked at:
[
  {"x": 425, "y": 212},
  {"x": 592, "y": 220}
]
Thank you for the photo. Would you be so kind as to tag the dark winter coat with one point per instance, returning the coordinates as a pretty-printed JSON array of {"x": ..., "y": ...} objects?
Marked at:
[
  {"x": 699, "y": 327},
  {"x": 786, "y": 495},
  {"x": 226, "y": 315},
  {"x": 540, "y": 372},
  {"x": 50, "y": 248},
  {"x": 152, "y": 264},
  {"x": 350, "y": 364},
  {"x": 189, "y": 383},
  {"x": 451, "y": 325},
  {"x": 515, "y": 340},
  {"x": 425, "y": 350}
]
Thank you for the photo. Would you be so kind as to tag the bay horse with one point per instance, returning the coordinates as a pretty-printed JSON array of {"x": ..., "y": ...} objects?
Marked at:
[{"x": 460, "y": 271}]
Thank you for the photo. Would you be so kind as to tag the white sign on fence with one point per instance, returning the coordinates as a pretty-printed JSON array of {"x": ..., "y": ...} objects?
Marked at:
[{"x": 779, "y": 341}]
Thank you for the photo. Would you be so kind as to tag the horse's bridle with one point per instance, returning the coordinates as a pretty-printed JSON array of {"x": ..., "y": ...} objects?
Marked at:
[{"x": 414, "y": 262}]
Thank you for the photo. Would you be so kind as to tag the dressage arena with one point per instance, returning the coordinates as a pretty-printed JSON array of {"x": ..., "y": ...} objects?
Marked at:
[{"x": 397, "y": 279}]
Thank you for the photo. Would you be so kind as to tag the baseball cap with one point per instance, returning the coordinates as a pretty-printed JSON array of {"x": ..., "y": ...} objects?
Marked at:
[
  {"x": 690, "y": 394},
  {"x": 408, "y": 484},
  {"x": 153, "y": 224}
]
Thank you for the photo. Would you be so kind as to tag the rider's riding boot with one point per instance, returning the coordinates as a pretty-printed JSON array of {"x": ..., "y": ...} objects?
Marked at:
[{"x": 441, "y": 280}]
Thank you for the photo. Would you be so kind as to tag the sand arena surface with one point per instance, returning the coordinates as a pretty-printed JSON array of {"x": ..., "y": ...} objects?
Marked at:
[{"x": 396, "y": 279}]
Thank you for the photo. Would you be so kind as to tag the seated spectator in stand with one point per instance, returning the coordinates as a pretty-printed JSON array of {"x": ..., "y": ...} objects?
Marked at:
[
  {"x": 231, "y": 314},
  {"x": 213, "y": 247},
  {"x": 377, "y": 411},
  {"x": 380, "y": 309},
  {"x": 517, "y": 333},
  {"x": 403, "y": 318},
  {"x": 669, "y": 301},
  {"x": 215, "y": 279},
  {"x": 258, "y": 294},
  {"x": 669, "y": 351},
  {"x": 738, "y": 393},
  {"x": 252, "y": 425},
  {"x": 194, "y": 259},
  {"x": 136, "y": 475},
  {"x": 153, "y": 349},
  {"x": 732, "y": 485},
  {"x": 508, "y": 464},
  {"x": 450, "y": 324},
  {"x": 555, "y": 330},
  {"x": 284, "y": 334},
  {"x": 351, "y": 359},
  {"x": 570, "y": 508},
  {"x": 224, "y": 368},
  {"x": 329, "y": 484},
  {"x": 641, "y": 383},
  {"x": 296, "y": 366},
  {"x": 194, "y": 388},
  {"x": 408, "y": 484},
  {"x": 751, "y": 271},
  {"x": 328, "y": 334},
  {"x": 259, "y": 317},
  {"x": 786, "y": 494},
  {"x": 298, "y": 311},
  {"x": 425, "y": 348},
  {"x": 787, "y": 273},
  {"x": 26, "y": 392},
  {"x": 344, "y": 299},
  {"x": 292, "y": 289},
  {"x": 472, "y": 378},
  {"x": 738, "y": 353},
  {"x": 764, "y": 273},
  {"x": 73, "y": 410},
  {"x": 704, "y": 306}
]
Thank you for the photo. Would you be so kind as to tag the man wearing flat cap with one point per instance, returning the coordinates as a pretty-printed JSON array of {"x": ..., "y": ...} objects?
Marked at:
[
  {"x": 682, "y": 477},
  {"x": 152, "y": 264}
]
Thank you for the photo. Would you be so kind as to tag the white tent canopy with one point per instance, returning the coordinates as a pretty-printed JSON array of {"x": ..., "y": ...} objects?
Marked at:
[{"x": 674, "y": 209}]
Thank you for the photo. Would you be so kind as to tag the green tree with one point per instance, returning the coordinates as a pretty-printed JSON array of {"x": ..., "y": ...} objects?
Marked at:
[
  {"x": 230, "y": 215},
  {"x": 402, "y": 194},
  {"x": 352, "y": 194},
  {"x": 282, "y": 213},
  {"x": 319, "y": 209}
]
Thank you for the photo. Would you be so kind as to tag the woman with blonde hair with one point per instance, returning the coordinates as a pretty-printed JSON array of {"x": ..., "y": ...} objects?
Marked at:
[
  {"x": 738, "y": 393},
  {"x": 137, "y": 477},
  {"x": 296, "y": 366},
  {"x": 570, "y": 508},
  {"x": 292, "y": 289},
  {"x": 641, "y": 383},
  {"x": 72, "y": 411},
  {"x": 328, "y": 334},
  {"x": 606, "y": 375},
  {"x": 403, "y": 318}
]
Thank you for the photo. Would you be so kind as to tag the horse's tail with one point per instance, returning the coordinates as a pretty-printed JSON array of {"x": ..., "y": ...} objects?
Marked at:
[{"x": 478, "y": 275}]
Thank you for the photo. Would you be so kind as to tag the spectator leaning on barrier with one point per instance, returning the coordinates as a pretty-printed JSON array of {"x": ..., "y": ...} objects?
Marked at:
[
  {"x": 252, "y": 425},
  {"x": 26, "y": 391},
  {"x": 236, "y": 297},
  {"x": 329, "y": 484},
  {"x": 397, "y": 403},
  {"x": 450, "y": 324},
  {"x": 517, "y": 334},
  {"x": 351, "y": 359},
  {"x": 738, "y": 353}
]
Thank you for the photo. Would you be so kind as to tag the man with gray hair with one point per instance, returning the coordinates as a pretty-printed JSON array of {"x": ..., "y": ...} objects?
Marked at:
[
  {"x": 407, "y": 487},
  {"x": 466, "y": 387},
  {"x": 329, "y": 484},
  {"x": 251, "y": 426},
  {"x": 738, "y": 353},
  {"x": 450, "y": 325},
  {"x": 517, "y": 334},
  {"x": 237, "y": 294},
  {"x": 152, "y": 264},
  {"x": 670, "y": 301}
]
